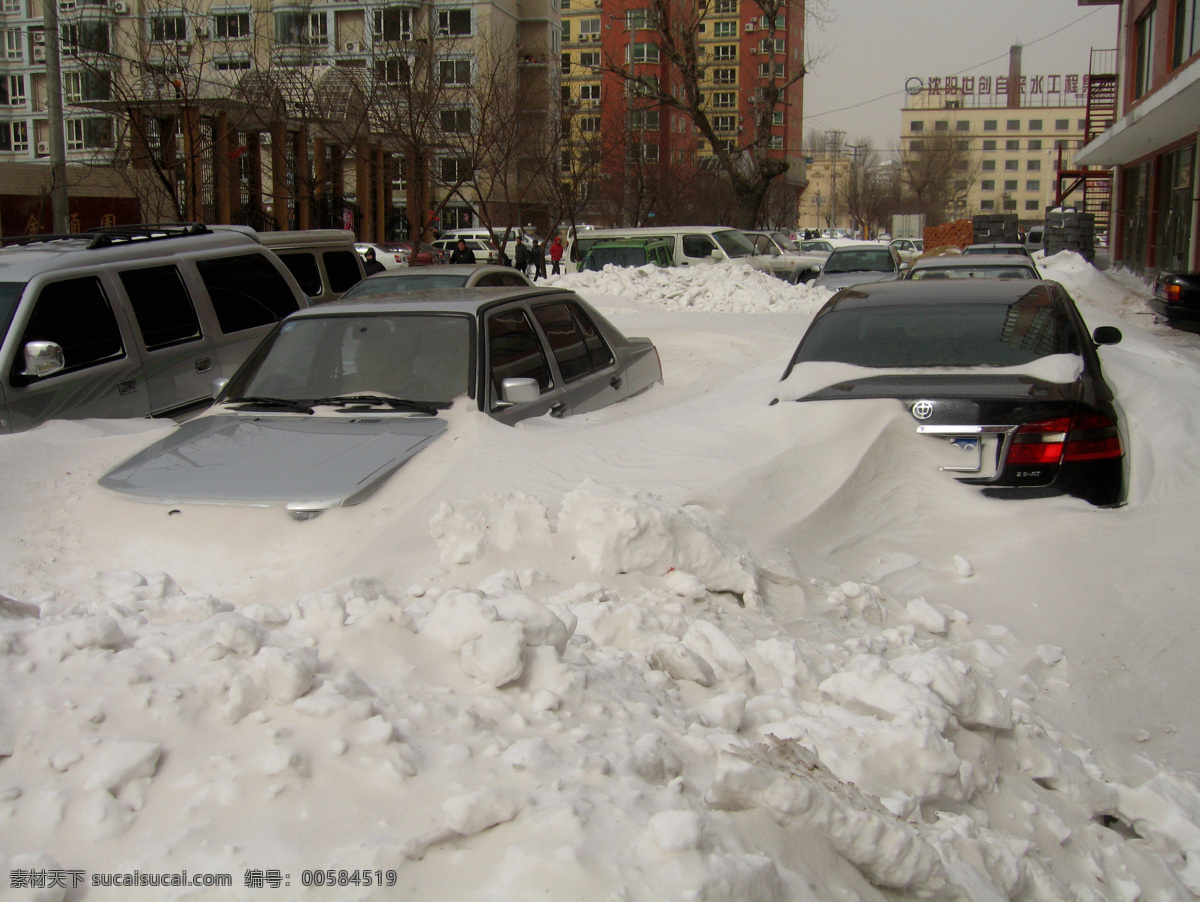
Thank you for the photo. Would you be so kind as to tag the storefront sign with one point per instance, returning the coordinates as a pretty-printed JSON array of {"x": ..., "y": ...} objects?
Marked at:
[{"x": 1065, "y": 87}]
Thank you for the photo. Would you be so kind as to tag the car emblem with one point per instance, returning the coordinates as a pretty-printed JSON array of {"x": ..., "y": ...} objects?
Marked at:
[{"x": 922, "y": 410}]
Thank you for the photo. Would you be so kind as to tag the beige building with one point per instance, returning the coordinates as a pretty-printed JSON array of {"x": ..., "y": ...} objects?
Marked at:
[
  {"x": 1020, "y": 130},
  {"x": 818, "y": 208},
  {"x": 281, "y": 114}
]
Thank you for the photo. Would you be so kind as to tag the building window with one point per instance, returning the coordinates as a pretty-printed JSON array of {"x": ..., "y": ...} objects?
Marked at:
[
  {"x": 393, "y": 71},
  {"x": 455, "y": 170},
  {"x": 725, "y": 7},
  {"x": 565, "y": 65},
  {"x": 640, "y": 19},
  {"x": 987, "y": 185},
  {"x": 962, "y": 126},
  {"x": 1187, "y": 37},
  {"x": 88, "y": 36},
  {"x": 455, "y": 72},
  {"x": 1062, "y": 124},
  {"x": 1013, "y": 125},
  {"x": 1035, "y": 144},
  {"x": 1012, "y": 145},
  {"x": 163, "y": 29},
  {"x": 392, "y": 23},
  {"x": 589, "y": 29},
  {"x": 1010, "y": 184},
  {"x": 987, "y": 205},
  {"x": 1012, "y": 165},
  {"x": 916, "y": 126},
  {"x": 989, "y": 125},
  {"x": 590, "y": 93},
  {"x": 724, "y": 100},
  {"x": 231, "y": 64},
  {"x": 457, "y": 121},
  {"x": 1035, "y": 125},
  {"x": 724, "y": 123},
  {"x": 1033, "y": 185},
  {"x": 1031, "y": 205},
  {"x": 649, "y": 152},
  {"x": 1033, "y": 165},
  {"x": 1010, "y": 204},
  {"x": 775, "y": 142},
  {"x": 777, "y": 119},
  {"x": 724, "y": 76},
  {"x": 941, "y": 125},
  {"x": 231, "y": 26},
  {"x": 644, "y": 120},
  {"x": 589, "y": 124},
  {"x": 988, "y": 165},
  {"x": 725, "y": 29},
  {"x": 725, "y": 52},
  {"x": 565, "y": 31},
  {"x": 454, "y": 23},
  {"x": 644, "y": 53},
  {"x": 1143, "y": 52},
  {"x": 590, "y": 59},
  {"x": 764, "y": 70},
  {"x": 16, "y": 90},
  {"x": 766, "y": 46},
  {"x": 12, "y": 6},
  {"x": 989, "y": 144}
]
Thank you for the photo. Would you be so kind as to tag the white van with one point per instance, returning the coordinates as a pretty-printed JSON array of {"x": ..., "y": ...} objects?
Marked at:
[
  {"x": 323, "y": 261},
  {"x": 690, "y": 245},
  {"x": 131, "y": 321}
]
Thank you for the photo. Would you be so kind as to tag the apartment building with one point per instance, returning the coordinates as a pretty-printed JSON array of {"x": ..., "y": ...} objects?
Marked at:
[
  {"x": 640, "y": 143},
  {"x": 1018, "y": 139},
  {"x": 279, "y": 114},
  {"x": 1151, "y": 145}
]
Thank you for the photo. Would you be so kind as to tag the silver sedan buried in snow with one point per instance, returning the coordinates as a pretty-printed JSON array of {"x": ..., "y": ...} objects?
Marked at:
[{"x": 341, "y": 395}]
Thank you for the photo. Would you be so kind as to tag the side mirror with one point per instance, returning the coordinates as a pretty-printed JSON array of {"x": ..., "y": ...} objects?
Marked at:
[
  {"x": 718, "y": 254},
  {"x": 905, "y": 266},
  {"x": 43, "y": 358},
  {"x": 1106, "y": 335},
  {"x": 519, "y": 391}
]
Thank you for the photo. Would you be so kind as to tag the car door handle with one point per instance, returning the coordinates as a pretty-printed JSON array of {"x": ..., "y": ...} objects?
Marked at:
[
  {"x": 558, "y": 410},
  {"x": 615, "y": 381},
  {"x": 203, "y": 365},
  {"x": 127, "y": 387}
]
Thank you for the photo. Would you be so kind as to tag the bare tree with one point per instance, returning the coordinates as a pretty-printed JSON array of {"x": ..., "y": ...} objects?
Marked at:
[
  {"x": 746, "y": 161},
  {"x": 938, "y": 171},
  {"x": 864, "y": 191}
]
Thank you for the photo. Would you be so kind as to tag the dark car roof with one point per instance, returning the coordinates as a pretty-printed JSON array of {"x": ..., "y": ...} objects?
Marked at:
[{"x": 926, "y": 293}]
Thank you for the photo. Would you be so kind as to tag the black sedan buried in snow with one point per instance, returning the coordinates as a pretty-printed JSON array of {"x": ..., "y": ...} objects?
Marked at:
[{"x": 1003, "y": 373}]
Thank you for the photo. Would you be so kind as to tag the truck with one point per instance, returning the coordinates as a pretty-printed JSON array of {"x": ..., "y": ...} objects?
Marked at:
[{"x": 908, "y": 225}]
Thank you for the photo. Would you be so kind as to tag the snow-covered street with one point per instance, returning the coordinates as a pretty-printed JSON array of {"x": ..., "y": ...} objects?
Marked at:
[{"x": 693, "y": 646}]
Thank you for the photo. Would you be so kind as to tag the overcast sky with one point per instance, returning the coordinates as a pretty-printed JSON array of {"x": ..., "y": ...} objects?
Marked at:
[{"x": 865, "y": 50}]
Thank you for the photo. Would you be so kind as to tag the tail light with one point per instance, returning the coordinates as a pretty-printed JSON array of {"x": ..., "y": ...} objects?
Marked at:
[
  {"x": 1086, "y": 436},
  {"x": 1168, "y": 291}
]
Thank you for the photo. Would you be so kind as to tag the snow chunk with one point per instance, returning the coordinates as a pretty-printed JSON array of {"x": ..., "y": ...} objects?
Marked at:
[
  {"x": 498, "y": 656},
  {"x": 116, "y": 762},
  {"x": 474, "y": 812}
]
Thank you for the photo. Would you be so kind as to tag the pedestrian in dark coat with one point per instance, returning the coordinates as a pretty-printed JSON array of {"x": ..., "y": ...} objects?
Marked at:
[
  {"x": 521, "y": 260},
  {"x": 370, "y": 264},
  {"x": 462, "y": 253},
  {"x": 538, "y": 252}
]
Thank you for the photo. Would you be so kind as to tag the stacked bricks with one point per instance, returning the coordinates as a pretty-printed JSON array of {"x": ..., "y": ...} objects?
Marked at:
[
  {"x": 1069, "y": 230},
  {"x": 1001, "y": 228},
  {"x": 959, "y": 233}
]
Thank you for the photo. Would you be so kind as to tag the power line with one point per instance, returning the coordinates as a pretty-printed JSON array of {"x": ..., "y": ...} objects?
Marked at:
[{"x": 855, "y": 106}]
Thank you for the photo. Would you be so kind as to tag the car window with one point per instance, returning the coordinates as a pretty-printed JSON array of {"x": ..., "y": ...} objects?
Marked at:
[
  {"x": 161, "y": 305},
  {"x": 734, "y": 243},
  {"x": 246, "y": 291},
  {"x": 515, "y": 351},
  {"x": 575, "y": 342},
  {"x": 303, "y": 266},
  {"x": 343, "y": 270},
  {"x": 75, "y": 314},
  {"x": 944, "y": 334},
  {"x": 697, "y": 246}
]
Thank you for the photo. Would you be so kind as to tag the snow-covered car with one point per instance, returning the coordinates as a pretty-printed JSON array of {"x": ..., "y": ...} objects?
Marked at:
[
  {"x": 784, "y": 256},
  {"x": 1001, "y": 375},
  {"x": 331, "y": 405},
  {"x": 971, "y": 266},
  {"x": 424, "y": 278},
  {"x": 856, "y": 264}
]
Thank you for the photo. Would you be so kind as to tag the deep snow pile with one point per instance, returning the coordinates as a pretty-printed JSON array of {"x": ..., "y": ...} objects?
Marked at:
[{"x": 602, "y": 692}]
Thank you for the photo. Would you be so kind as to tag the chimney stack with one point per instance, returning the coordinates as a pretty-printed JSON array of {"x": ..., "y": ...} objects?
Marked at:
[{"x": 1014, "y": 76}]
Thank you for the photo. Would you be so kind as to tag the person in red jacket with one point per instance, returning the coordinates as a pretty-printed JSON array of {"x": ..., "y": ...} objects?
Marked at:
[{"x": 556, "y": 252}]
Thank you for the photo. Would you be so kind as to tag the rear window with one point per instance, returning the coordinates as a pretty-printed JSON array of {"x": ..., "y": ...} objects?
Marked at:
[
  {"x": 856, "y": 260},
  {"x": 246, "y": 291},
  {"x": 304, "y": 267},
  {"x": 946, "y": 334}
]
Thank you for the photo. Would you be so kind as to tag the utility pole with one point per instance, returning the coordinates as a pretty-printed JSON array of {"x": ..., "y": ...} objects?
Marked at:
[
  {"x": 54, "y": 115},
  {"x": 835, "y": 149}
]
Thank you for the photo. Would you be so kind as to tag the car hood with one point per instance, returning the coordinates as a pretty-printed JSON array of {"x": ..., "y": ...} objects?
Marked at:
[
  {"x": 303, "y": 463},
  {"x": 846, "y": 279}
]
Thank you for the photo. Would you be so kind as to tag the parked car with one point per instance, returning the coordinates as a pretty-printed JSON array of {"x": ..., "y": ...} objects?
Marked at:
[
  {"x": 690, "y": 245},
  {"x": 425, "y": 278},
  {"x": 330, "y": 405},
  {"x": 973, "y": 266},
  {"x": 391, "y": 258},
  {"x": 1035, "y": 239},
  {"x": 419, "y": 253},
  {"x": 854, "y": 264},
  {"x": 131, "y": 321},
  {"x": 1014, "y": 248},
  {"x": 484, "y": 249},
  {"x": 908, "y": 248},
  {"x": 323, "y": 261},
  {"x": 627, "y": 252},
  {"x": 1176, "y": 298},
  {"x": 784, "y": 256},
  {"x": 1001, "y": 375}
]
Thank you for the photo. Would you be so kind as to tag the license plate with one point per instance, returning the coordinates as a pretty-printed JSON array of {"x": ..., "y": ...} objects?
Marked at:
[
  {"x": 960, "y": 453},
  {"x": 970, "y": 452}
]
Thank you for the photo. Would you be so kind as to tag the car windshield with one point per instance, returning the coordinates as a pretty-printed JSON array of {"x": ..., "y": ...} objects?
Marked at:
[
  {"x": 815, "y": 245},
  {"x": 10, "y": 292},
  {"x": 409, "y": 281},
  {"x": 734, "y": 243},
  {"x": 944, "y": 334},
  {"x": 423, "y": 357},
  {"x": 853, "y": 259},
  {"x": 785, "y": 242},
  {"x": 973, "y": 272}
]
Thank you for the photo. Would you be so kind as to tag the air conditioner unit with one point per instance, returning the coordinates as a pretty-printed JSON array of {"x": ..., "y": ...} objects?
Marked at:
[
  {"x": 353, "y": 46},
  {"x": 43, "y": 148},
  {"x": 39, "y": 37},
  {"x": 120, "y": 7},
  {"x": 749, "y": 26},
  {"x": 39, "y": 54}
]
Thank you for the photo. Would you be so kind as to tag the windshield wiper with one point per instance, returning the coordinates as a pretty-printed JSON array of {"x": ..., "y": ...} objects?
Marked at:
[
  {"x": 273, "y": 403},
  {"x": 425, "y": 407}
]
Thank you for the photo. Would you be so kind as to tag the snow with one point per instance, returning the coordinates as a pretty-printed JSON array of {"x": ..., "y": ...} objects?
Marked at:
[{"x": 694, "y": 646}]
